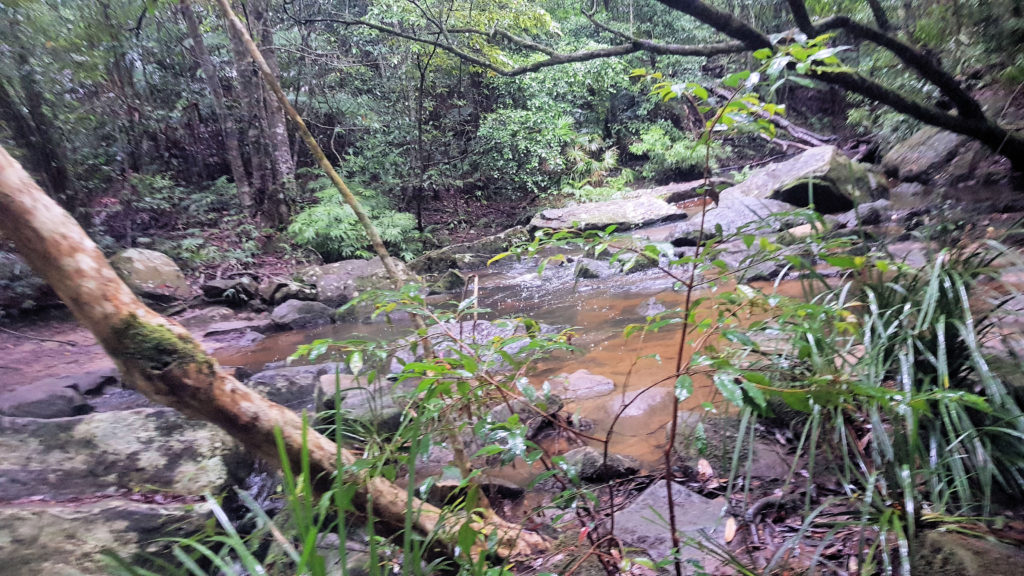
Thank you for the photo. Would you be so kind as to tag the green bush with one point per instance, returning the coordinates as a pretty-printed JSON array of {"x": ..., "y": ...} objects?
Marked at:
[
  {"x": 672, "y": 153},
  {"x": 331, "y": 228}
]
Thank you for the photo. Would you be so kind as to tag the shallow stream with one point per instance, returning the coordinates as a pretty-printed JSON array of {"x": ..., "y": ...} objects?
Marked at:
[{"x": 599, "y": 308}]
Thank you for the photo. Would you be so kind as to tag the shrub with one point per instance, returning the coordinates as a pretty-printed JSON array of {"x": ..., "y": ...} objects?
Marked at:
[{"x": 331, "y": 228}]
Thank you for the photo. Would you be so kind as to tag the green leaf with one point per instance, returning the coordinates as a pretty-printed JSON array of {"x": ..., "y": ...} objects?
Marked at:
[
  {"x": 498, "y": 257},
  {"x": 763, "y": 54},
  {"x": 735, "y": 79},
  {"x": 684, "y": 387},
  {"x": 725, "y": 381}
]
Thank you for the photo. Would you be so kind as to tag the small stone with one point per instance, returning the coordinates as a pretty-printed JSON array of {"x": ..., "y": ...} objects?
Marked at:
[{"x": 592, "y": 468}]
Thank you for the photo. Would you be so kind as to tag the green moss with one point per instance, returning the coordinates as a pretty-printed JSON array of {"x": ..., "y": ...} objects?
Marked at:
[{"x": 157, "y": 346}]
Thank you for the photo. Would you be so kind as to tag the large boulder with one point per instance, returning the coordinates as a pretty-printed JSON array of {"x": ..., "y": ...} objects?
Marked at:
[
  {"x": 625, "y": 214},
  {"x": 301, "y": 314},
  {"x": 835, "y": 182},
  {"x": 151, "y": 274},
  {"x": 922, "y": 156},
  {"x": 66, "y": 539},
  {"x": 935, "y": 156},
  {"x": 643, "y": 523},
  {"x": 295, "y": 386},
  {"x": 20, "y": 288},
  {"x": 339, "y": 282},
  {"x": 155, "y": 449},
  {"x": 468, "y": 255}
]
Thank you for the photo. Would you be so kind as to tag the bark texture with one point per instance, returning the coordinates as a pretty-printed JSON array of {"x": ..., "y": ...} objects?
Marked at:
[
  {"x": 228, "y": 130},
  {"x": 159, "y": 358}
]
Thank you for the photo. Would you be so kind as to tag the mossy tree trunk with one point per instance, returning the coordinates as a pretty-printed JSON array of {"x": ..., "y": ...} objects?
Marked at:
[{"x": 160, "y": 359}]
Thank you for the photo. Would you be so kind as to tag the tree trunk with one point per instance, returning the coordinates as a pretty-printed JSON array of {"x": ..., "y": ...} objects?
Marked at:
[
  {"x": 228, "y": 130},
  {"x": 34, "y": 131},
  {"x": 159, "y": 358},
  {"x": 251, "y": 98},
  {"x": 277, "y": 136}
]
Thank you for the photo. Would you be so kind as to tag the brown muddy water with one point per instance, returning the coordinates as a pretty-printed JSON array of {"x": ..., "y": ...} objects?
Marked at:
[{"x": 599, "y": 310}]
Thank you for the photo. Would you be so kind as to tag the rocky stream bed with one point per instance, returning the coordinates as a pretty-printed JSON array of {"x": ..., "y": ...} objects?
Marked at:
[{"x": 87, "y": 465}]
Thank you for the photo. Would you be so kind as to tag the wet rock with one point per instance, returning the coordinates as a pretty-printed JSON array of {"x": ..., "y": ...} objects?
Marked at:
[
  {"x": 339, "y": 282},
  {"x": 650, "y": 307},
  {"x": 234, "y": 291},
  {"x": 749, "y": 264},
  {"x": 259, "y": 325},
  {"x": 581, "y": 385},
  {"x": 649, "y": 404},
  {"x": 910, "y": 252},
  {"x": 732, "y": 213},
  {"x": 680, "y": 191},
  {"x": 67, "y": 538},
  {"x": 20, "y": 289},
  {"x": 299, "y": 314},
  {"x": 824, "y": 174},
  {"x": 448, "y": 490},
  {"x": 49, "y": 398},
  {"x": 912, "y": 191},
  {"x": 379, "y": 407},
  {"x": 624, "y": 213},
  {"x": 627, "y": 262},
  {"x": 591, "y": 467},
  {"x": 274, "y": 291},
  {"x": 450, "y": 281},
  {"x": 151, "y": 274},
  {"x": 200, "y": 318},
  {"x": 536, "y": 416},
  {"x": 149, "y": 448},
  {"x": 953, "y": 554},
  {"x": 471, "y": 333},
  {"x": 643, "y": 523},
  {"x": 869, "y": 214},
  {"x": 922, "y": 156},
  {"x": 468, "y": 255},
  {"x": 295, "y": 387},
  {"x": 590, "y": 269}
]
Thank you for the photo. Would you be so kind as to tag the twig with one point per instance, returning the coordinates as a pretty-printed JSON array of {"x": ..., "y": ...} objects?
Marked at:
[{"x": 39, "y": 338}]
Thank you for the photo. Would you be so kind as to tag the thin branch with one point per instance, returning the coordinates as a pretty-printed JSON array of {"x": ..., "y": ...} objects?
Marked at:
[
  {"x": 923, "y": 64},
  {"x": 554, "y": 58}
]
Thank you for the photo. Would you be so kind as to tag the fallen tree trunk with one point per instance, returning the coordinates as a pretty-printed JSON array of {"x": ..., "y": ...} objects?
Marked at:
[{"x": 160, "y": 359}]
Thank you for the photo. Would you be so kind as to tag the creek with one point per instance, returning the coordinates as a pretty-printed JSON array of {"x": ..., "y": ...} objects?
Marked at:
[{"x": 599, "y": 310}]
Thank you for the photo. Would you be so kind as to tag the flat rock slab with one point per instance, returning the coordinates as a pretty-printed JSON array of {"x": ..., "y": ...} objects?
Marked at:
[
  {"x": 104, "y": 452},
  {"x": 49, "y": 398},
  {"x": 65, "y": 539},
  {"x": 581, "y": 385},
  {"x": 644, "y": 524},
  {"x": 733, "y": 213},
  {"x": 625, "y": 214}
]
